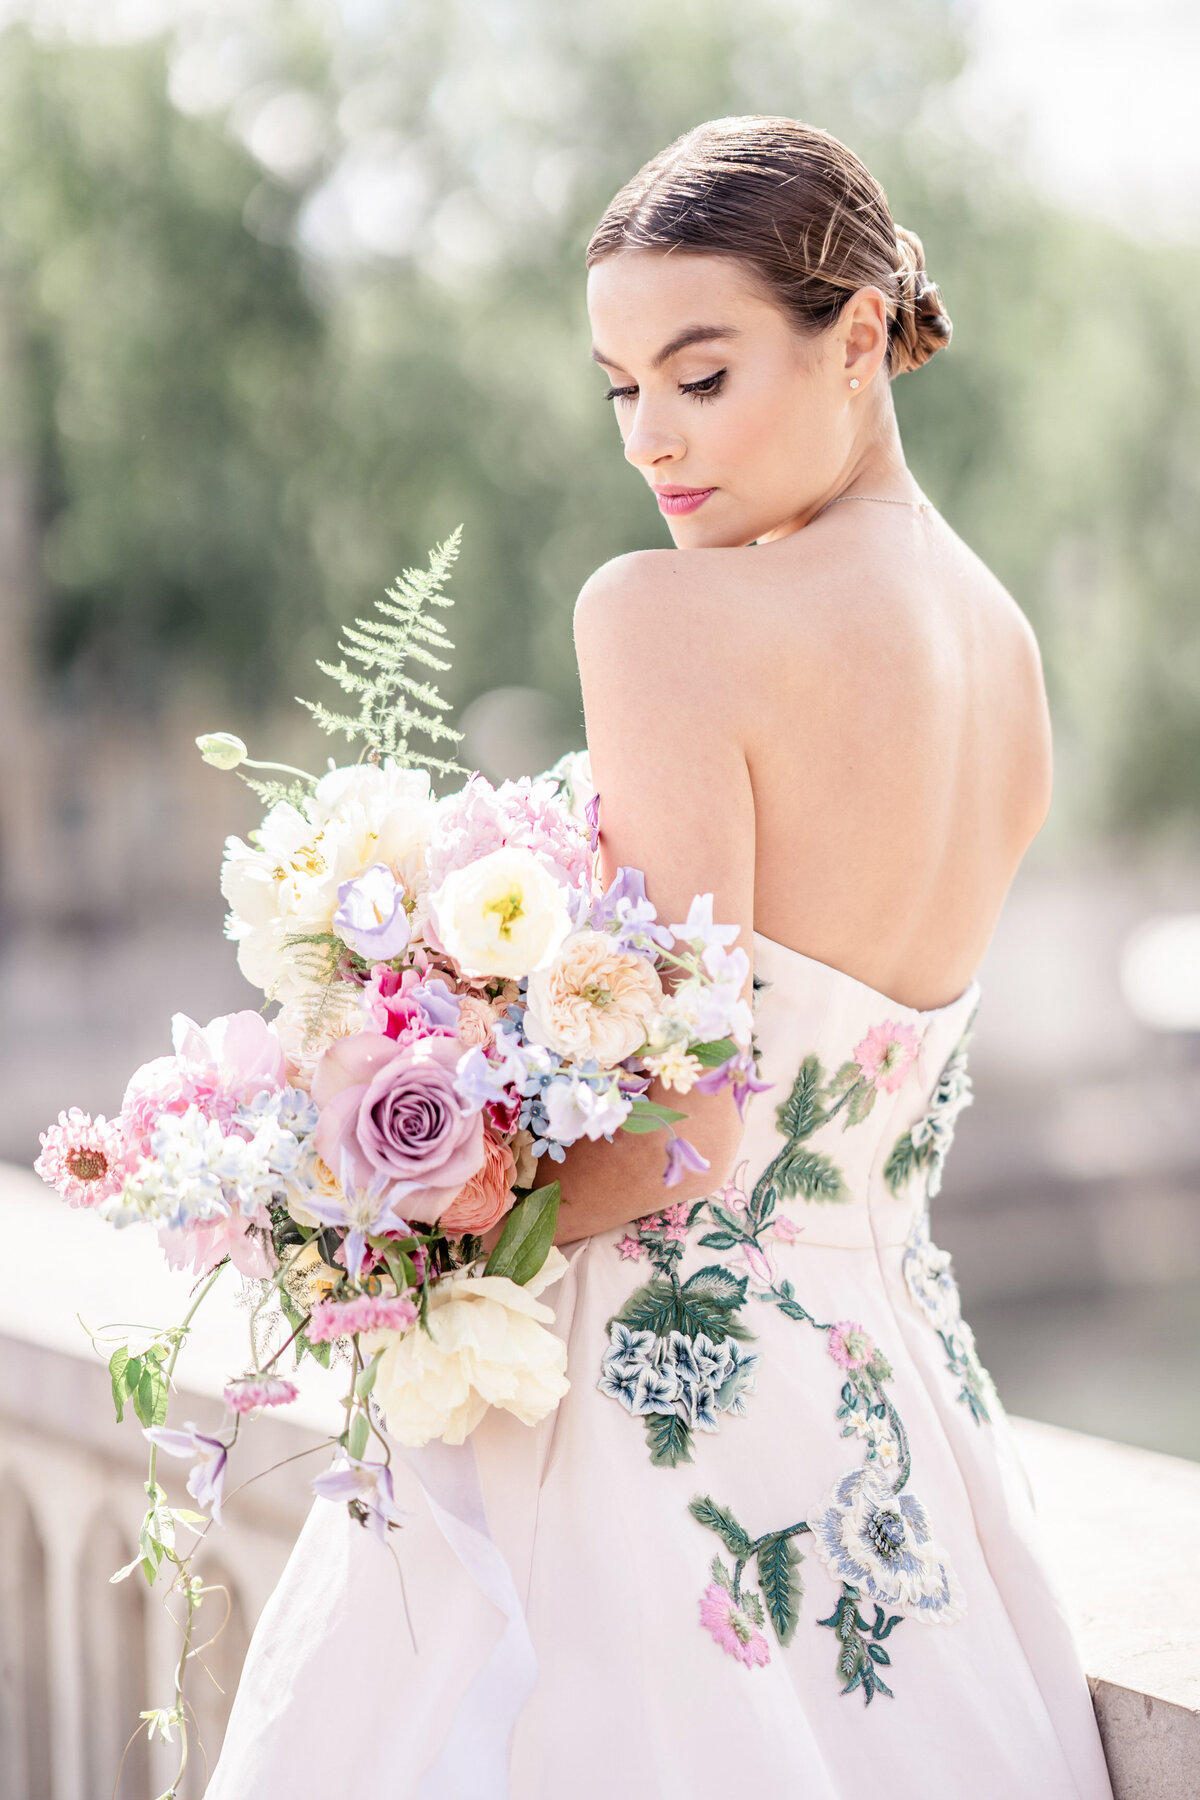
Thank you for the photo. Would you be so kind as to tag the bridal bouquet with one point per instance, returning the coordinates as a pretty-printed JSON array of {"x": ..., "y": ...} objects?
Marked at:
[{"x": 459, "y": 1000}]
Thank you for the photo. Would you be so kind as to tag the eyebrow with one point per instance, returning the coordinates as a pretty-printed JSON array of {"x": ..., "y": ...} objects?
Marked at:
[{"x": 694, "y": 334}]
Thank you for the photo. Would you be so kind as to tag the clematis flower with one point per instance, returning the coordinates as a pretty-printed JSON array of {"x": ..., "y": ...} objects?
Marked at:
[
  {"x": 367, "y": 1487},
  {"x": 738, "y": 1072},
  {"x": 206, "y": 1477},
  {"x": 359, "y": 1210},
  {"x": 370, "y": 914},
  {"x": 680, "y": 1156}
]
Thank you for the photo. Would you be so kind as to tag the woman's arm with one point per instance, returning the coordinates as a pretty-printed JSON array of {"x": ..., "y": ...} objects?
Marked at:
[{"x": 663, "y": 708}]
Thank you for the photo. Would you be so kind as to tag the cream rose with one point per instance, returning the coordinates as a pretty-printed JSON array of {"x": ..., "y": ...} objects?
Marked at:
[
  {"x": 593, "y": 1000},
  {"x": 487, "y": 1345},
  {"x": 503, "y": 914}
]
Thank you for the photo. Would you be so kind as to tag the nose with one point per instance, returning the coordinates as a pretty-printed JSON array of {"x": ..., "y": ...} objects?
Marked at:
[{"x": 648, "y": 443}]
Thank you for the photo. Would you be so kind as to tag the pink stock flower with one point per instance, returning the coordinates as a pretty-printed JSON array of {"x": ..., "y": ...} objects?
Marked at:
[
  {"x": 885, "y": 1054},
  {"x": 331, "y": 1319},
  {"x": 732, "y": 1628},
  {"x": 850, "y": 1346},
  {"x": 210, "y": 1241},
  {"x": 250, "y": 1391},
  {"x": 85, "y": 1159}
]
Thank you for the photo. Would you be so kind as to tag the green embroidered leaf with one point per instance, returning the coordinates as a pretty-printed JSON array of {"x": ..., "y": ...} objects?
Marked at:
[
  {"x": 753, "y": 1606},
  {"x": 721, "y": 1575},
  {"x": 650, "y": 1308},
  {"x": 712, "y": 1317},
  {"x": 811, "y": 1174},
  {"x": 846, "y": 1076},
  {"x": 719, "y": 1240},
  {"x": 706, "y": 1512},
  {"x": 778, "y": 1560},
  {"x": 528, "y": 1233},
  {"x": 903, "y": 1161},
  {"x": 859, "y": 1104},
  {"x": 718, "y": 1284},
  {"x": 669, "y": 1439},
  {"x": 799, "y": 1115}
]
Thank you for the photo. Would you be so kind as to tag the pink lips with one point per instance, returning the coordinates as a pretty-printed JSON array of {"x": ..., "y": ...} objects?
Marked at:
[{"x": 673, "y": 500}]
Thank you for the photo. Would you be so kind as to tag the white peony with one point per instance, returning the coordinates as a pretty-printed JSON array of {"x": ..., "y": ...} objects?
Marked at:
[
  {"x": 594, "y": 999},
  {"x": 503, "y": 914},
  {"x": 487, "y": 1345}
]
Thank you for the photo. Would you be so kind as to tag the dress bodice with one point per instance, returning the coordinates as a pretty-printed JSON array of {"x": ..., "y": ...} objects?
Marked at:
[{"x": 863, "y": 1097}]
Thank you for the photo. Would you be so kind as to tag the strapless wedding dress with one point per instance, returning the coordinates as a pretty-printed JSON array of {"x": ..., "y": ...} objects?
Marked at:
[{"x": 776, "y": 1540}]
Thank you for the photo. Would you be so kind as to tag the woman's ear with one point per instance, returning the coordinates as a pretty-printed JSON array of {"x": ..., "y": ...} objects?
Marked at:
[{"x": 863, "y": 328}]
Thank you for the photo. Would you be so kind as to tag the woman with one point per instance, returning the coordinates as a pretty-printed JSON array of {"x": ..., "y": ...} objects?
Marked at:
[{"x": 781, "y": 1485}]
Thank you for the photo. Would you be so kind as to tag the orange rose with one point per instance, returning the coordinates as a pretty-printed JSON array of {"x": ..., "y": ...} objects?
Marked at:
[{"x": 487, "y": 1196}]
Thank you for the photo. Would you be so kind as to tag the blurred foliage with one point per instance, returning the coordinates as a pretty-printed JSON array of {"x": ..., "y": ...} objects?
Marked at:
[{"x": 302, "y": 288}]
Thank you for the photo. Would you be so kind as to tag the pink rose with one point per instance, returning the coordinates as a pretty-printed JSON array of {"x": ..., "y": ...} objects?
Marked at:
[
  {"x": 487, "y": 1196},
  {"x": 476, "y": 1017},
  {"x": 395, "y": 1109}
]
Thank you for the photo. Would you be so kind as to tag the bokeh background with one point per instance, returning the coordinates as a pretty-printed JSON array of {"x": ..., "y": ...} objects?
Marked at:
[{"x": 287, "y": 291}]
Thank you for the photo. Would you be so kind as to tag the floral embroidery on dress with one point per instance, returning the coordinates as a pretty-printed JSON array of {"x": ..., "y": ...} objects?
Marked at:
[
  {"x": 878, "y": 1539},
  {"x": 934, "y": 1292},
  {"x": 776, "y": 1560},
  {"x": 925, "y": 1145}
]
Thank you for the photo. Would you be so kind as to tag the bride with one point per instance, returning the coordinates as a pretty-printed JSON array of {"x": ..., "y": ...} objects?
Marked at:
[{"x": 776, "y": 1539}]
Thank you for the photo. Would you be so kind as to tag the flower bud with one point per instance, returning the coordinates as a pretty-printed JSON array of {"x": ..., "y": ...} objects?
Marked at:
[{"x": 222, "y": 749}]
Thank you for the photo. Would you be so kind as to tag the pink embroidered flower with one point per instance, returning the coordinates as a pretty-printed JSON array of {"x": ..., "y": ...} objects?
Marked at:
[
  {"x": 675, "y": 1218},
  {"x": 757, "y": 1262},
  {"x": 85, "y": 1159},
  {"x": 732, "y": 1628},
  {"x": 733, "y": 1196},
  {"x": 885, "y": 1054},
  {"x": 652, "y": 1222},
  {"x": 850, "y": 1346},
  {"x": 332, "y": 1319},
  {"x": 260, "y": 1390},
  {"x": 631, "y": 1248},
  {"x": 786, "y": 1228}
]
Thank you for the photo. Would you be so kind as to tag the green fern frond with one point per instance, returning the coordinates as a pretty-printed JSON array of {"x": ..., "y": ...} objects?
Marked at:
[
  {"x": 392, "y": 704},
  {"x": 272, "y": 792}
]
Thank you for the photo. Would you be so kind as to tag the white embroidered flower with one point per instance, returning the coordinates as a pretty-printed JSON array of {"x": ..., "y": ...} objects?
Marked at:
[
  {"x": 927, "y": 1275},
  {"x": 503, "y": 914},
  {"x": 593, "y": 999},
  {"x": 936, "y": 1128},
  {"x": 487, "y": 1345},
  {"x": 880, "y": 1541}
]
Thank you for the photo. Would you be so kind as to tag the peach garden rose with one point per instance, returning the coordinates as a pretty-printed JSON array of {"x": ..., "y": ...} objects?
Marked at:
[{"x": 594, "y": 999}]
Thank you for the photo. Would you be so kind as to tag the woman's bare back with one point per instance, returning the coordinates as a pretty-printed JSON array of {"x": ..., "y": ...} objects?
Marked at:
[{"x": 895, "y": 727}]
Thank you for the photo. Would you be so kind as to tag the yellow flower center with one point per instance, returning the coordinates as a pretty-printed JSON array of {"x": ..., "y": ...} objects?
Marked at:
[
  {"x": 508, "y": 907},
  {"x": 596, "y": 994}
]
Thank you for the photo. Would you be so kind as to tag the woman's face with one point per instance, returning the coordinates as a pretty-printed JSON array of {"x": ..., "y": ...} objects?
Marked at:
[{"x": 740, "y": 423}]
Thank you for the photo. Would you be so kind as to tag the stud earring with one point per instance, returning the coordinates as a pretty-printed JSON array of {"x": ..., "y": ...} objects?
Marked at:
[{"x": 854, "y": 381}]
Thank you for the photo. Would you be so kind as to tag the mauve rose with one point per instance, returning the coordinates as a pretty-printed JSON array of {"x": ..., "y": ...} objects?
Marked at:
[
  {"x": 487, "y": 1196},
  {"x": 396, "y": 1111}
]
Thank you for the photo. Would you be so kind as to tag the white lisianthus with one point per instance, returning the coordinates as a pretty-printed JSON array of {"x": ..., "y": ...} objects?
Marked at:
[
  {"x": 594, "y": 999},
  {"x": 575, "y": 1110},
  {"x": 675, "y": 1067},
  {"x": 487, "y": 1345},
  {"x": 504, "y": 914}
]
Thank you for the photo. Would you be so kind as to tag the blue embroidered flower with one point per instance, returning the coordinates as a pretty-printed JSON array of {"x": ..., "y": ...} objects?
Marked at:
[
  {"x": 693, "y": 1378},
  {"x": 879, "y": 1541},
  {"x": 931, "y": 1286},
  {"x": 935, "y": 1132}
]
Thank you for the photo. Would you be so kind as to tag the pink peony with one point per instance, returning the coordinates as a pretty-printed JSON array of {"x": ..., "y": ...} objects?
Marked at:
[
  {"x": 86, "y": 1159},
  {"x": 395, "y": 1110},
  {"x": 850, "y": 1346},
  {"x": 332, "y": 1319},
  {"x": 260, "y": 1390},
  {"x": 732, "y": 1628},
  {"x": 209, "y": 1242},
  {"x": 885, "y": 1054},
  {"x": 215, "y": 1067},
  {"x": 524, "y": 813},
  {"x": 487, "y": 1196}
]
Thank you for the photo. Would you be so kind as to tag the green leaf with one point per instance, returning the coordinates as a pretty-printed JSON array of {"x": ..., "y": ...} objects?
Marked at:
[
  {"x": 669, "y": 1439},
  {"x": 901, "y": 1163},
  {"x": 643, "y": 1122},
  {"x": 366, "y": 1376},
  {"x": 359, "y": 1432},
  {"x": 150, "y": 1396},
  {"x": 714, "y": 1052},
  {"x": 527, "y": 1236},
  {"x": 118, "y": 1364},
  {"x": 811, "y": 1174},
  {"x": 860, "y": 1103},
  {"x": 705, "y": 1510},
  {"x": 778, "y": 1560},
  {"x": 717, "y": 1283},
  {"x": 650, "y": 1308},
  {"x": 643, "y": 1108},
  {"x": 799, "y": 1115}
]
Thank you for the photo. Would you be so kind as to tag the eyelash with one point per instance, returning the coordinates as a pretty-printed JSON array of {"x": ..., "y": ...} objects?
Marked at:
[{"x": 707, "y": 389}]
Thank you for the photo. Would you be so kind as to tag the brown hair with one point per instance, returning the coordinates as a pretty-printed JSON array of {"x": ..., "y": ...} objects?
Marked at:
[{"x": 799, "y": 208}]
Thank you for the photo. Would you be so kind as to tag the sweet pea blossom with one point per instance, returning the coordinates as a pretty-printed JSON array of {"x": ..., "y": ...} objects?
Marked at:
[
  {"x": 624, "y": 904},
  {"x": 574, "y": 1109},
  {"x": 332, "y": 1319},
  {"x": 698, "y": 927},
  {"x": 367, "y": 1487},
  {"x": 206, "y": 1477},
  {"x": 370, "y": 915}
]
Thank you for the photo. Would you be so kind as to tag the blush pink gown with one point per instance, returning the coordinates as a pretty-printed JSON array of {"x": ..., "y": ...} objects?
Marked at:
[{"x": 776, "y": 1540}]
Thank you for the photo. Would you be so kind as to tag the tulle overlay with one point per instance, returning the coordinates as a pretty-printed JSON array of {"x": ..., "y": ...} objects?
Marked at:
[{"x": 776, "y": 1538}]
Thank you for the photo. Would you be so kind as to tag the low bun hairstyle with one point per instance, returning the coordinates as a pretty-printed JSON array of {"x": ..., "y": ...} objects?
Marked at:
[{"x": 795, "y": 205}]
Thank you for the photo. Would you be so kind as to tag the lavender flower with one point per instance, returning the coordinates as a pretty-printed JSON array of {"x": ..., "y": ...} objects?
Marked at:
[
  {"x": 698, "y": 927},
  {"x": 680, "y": 1156},
  {"x": 370, "y": 916},
  {"x": 358, "y": 1210},
  {"x": 367, "y": 1487},
  {"x": 206, "y": 1477},
  {"x": 738, "y": 1072}
]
